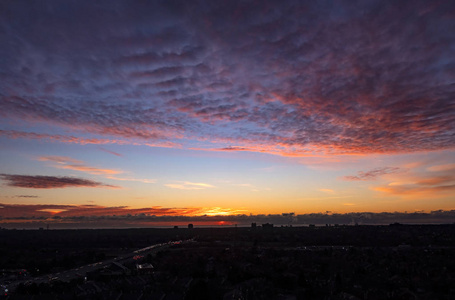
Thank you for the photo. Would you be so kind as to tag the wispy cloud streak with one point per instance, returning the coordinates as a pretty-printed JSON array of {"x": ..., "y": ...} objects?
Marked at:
[
  {"x": 372, "y": 174},
  {"x": 49, "y": 182},
  {"x": 63, "y": 162},
  {"x": 186, "y": 185},
  {"x": 111, "y": 152}
]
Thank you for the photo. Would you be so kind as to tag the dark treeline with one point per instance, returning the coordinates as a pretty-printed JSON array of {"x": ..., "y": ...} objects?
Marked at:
[{"x": 50, "y": 250}]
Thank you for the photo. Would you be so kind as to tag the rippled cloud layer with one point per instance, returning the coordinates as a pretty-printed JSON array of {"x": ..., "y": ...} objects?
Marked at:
[{"x": 294, "y": 78}]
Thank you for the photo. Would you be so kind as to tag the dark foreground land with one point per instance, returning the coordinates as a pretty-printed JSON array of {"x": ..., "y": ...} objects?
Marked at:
[{"x": 344, "y": 262}]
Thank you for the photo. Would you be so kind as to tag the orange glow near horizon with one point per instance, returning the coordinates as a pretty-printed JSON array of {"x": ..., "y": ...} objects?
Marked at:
[{"x": 53, "y": 211}]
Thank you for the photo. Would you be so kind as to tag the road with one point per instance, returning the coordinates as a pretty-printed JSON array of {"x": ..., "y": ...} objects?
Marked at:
[{"x": 79, "y": 272}]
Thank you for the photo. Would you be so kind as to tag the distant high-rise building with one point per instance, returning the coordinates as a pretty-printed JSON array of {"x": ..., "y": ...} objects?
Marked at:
[
  {"x": 253, "y": 225},
  {"x": 267, "y": 226}
]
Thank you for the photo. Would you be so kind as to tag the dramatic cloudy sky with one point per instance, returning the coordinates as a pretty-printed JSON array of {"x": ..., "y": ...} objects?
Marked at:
[{"x": 187, "y": 108}]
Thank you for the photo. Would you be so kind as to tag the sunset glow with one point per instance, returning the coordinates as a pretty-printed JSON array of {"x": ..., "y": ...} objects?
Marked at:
[{"x": 219, "y": 111}]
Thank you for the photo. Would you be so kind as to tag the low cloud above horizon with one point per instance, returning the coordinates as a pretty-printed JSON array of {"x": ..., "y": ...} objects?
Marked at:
[
  {"x": 80, "y": 216},
  {"x": 79, "y": 213}
]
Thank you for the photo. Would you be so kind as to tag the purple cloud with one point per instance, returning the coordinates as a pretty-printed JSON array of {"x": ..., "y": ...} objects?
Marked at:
[
  {"x": 372, "y": 174},
  {"x": 49, "y": 182},
  {"x": 287, "y": 78}
]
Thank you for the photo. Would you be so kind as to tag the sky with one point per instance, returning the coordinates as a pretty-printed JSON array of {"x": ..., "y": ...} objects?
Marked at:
[{"x": 142, "y": 113}]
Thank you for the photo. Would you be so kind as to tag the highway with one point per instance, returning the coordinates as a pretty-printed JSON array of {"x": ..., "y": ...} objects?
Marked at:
[{"x": 79, "y": 272}]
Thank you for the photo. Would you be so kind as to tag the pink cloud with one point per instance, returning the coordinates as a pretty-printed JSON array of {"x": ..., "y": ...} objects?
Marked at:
[
  {"x": 111, "y": 152},
  {"x": 417, "y": 190},
  {"x": 442, "y": 168},
  {"x": 432, "y": 184}
]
